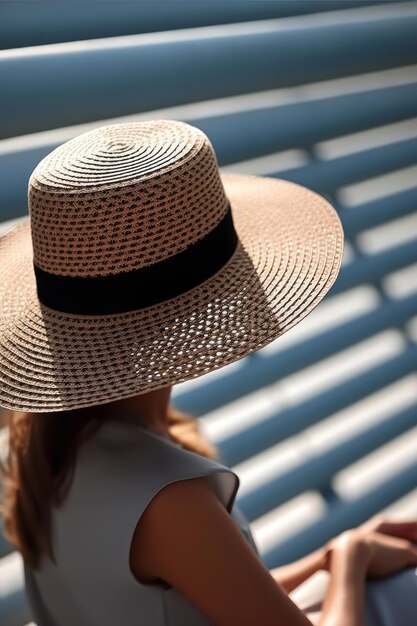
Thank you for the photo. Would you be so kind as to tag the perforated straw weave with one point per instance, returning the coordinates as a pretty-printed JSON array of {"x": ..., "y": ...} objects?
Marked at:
[{"x": 126, "y": 197}]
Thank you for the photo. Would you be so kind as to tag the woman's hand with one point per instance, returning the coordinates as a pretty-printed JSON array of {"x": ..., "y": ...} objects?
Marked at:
[
  {"x": 387, "y": 551},
  {"x": 407, "y": 529}
]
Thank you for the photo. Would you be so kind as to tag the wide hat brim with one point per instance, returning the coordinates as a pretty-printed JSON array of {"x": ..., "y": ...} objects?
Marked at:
[{"x": 288, "y": 256}]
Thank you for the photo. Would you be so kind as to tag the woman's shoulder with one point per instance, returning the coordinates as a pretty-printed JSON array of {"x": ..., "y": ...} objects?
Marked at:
[
  {"x": 124, "y": 440},
  {"x": 134, "y": 457}
]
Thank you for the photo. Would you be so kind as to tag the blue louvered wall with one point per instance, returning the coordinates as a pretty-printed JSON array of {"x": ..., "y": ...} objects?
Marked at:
[{"x": 322, "y": 424}]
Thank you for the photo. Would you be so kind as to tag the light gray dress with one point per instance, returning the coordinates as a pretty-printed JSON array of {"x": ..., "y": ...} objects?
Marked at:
[{"x": 117, "y": 474}]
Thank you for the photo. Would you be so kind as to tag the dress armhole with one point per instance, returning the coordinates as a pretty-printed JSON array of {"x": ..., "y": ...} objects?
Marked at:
[{"x": 224, "y": 482}]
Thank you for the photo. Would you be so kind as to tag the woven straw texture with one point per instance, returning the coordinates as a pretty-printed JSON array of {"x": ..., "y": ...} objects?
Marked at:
[{"x": 126, "y": 196}]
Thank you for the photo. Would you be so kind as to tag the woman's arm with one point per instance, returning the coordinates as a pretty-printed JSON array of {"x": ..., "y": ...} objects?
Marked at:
[
  {"x": 290, "y": 576},
  {"x": 344, "y": 602}
]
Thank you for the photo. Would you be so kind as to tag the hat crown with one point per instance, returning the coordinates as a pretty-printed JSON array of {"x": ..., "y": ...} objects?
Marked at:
[{"x": 123, "y": 197}]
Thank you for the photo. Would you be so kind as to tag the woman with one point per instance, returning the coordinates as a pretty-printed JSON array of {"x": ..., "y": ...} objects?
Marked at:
[{"x": 142, "y": 267}]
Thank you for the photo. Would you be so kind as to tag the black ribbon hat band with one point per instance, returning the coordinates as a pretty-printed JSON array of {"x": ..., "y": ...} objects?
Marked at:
[{"x": 137, "y": 289}]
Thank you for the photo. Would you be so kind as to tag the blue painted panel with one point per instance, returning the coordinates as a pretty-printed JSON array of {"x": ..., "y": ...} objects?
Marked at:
[{"x": 378, "y": 211}]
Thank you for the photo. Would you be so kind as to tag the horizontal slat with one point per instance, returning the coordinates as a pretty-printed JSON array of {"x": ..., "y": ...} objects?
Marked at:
[
  {"x": 15, "y": 170},
  {"x": 342, "y": 516},
  {"x": 374, "y": 268},
  {"x": 317, "y": 472},
  {"x": 13, "y": 605},
  {"x": 105, "y": 78},
  {"x": 328, "y": 176},
  {"x": 277, "y": 425},
  {"x": 5, "y": 546},
  {"x": 377, "y": 212},
  {"x": 32, "y": 24}
]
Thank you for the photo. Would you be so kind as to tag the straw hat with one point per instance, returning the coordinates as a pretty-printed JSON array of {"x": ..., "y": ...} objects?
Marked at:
[{"x": 143, "y": 266}]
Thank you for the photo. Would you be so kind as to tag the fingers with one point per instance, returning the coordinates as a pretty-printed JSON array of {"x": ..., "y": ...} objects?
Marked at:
[
  {"x": 407, "y": 547},
  {"x": 412, "y": 552},
  {"x": 399, "y": 528}
]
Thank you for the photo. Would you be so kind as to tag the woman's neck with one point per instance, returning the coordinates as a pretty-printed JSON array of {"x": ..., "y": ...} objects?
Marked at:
[{"x": 149, "y": 410}]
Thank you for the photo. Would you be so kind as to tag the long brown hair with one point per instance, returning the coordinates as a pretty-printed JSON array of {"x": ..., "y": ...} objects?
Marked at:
[{"x": 40, "y": 464}]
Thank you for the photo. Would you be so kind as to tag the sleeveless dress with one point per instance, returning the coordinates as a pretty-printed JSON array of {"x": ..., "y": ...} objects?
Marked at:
[{"x": 117, "y": 474}]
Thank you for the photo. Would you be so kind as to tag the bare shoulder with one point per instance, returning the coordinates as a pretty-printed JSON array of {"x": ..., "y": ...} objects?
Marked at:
[{"x": 187, "y": 538}]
